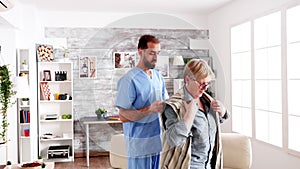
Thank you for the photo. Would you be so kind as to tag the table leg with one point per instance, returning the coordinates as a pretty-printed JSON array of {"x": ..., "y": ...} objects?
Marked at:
[{"x": 87, "y": 145}]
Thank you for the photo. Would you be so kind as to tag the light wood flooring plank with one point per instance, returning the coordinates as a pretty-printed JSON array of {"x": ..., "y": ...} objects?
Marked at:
[{"x": 100, "y": 162}]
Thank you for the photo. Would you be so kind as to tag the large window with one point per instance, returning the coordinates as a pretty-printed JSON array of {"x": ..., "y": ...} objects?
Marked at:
[
  {"x": 273, "y": 54},
  {"x": 241, "y": 78},
  {"x": 267, "y": 67},
  {"x": 293, "y": 76}
]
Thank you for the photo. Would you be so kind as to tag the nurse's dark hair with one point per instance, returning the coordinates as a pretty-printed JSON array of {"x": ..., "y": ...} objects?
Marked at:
[{"x": 145, "y": 39}]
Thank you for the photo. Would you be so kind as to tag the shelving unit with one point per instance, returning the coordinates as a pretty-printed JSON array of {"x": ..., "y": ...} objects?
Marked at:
[
  {"x": 25, "y": 138},
  {"x": 55, "y": 131}
]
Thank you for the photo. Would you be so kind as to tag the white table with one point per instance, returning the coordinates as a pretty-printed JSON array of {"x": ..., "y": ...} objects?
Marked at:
[
  {"x": 88, "y": 121},
  {"x": 49, "y": 165}
]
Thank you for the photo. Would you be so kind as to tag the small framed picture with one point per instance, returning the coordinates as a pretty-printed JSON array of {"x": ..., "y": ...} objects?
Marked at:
[
  {"x": 124, "y": 59},
  {"x": 87, "y": 67},
  {"x": 47, "y": 75},
  {"x": 44, "y": 53}
]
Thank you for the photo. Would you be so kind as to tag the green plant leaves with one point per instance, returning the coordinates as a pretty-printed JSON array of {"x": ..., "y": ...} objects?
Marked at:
[{"x": 6, "y": 92}]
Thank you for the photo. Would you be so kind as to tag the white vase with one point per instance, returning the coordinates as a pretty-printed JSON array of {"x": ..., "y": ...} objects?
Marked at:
[
  {"x": 25, "y": 103},
  {"x": 59, "y": 60},
  {"x": 25, "y": 67},
  {"x": 8, "y": 167},
  {"x": 66, "y": 60}
]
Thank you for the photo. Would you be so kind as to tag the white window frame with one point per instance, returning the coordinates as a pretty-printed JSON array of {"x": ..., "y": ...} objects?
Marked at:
[{"x": 284, "y": 82}]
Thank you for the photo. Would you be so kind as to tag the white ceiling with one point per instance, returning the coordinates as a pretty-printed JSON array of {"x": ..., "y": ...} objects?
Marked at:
[{"x": 131, "y": 6}]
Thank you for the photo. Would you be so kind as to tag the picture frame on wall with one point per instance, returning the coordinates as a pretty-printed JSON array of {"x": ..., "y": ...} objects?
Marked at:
[
  {"x": 87, "y": 67},
  {"x": 47, "y": 75},
  {"x": 162, "y": 66},
  {"x": 44, "y": 53},
  {"x": 124, "y": 59}
]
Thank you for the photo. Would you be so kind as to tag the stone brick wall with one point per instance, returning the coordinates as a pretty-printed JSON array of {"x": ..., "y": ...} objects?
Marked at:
[{"x": 90, "y": 94}]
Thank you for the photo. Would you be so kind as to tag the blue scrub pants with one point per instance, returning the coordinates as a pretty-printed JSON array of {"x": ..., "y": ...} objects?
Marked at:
[{"x": 149, "y": 162}]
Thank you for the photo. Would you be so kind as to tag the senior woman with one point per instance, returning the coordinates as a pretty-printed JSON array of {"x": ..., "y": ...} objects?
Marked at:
[{"x": 191, "y": 121}]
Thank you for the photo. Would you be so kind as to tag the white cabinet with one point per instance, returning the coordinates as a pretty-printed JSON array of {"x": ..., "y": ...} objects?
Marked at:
[
  {"x": 25, "y": 135},
  {"x": 55, "y": 111}
]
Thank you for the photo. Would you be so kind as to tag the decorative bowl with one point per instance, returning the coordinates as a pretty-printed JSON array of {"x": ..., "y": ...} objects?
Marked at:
[{"x": 34, "y": 165}]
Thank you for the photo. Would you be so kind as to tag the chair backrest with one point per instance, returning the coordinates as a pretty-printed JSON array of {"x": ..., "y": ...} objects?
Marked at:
[
  {"x": 237, "y": 151},
  {"x": 118, "y": 156}
]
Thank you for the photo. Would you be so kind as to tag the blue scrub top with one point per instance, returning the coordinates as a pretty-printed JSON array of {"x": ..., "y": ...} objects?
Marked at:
[{"x": 135, "y": 91}]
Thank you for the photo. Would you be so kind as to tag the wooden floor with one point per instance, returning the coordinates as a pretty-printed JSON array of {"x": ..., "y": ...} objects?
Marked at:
[{"x": 98, "y": 162}]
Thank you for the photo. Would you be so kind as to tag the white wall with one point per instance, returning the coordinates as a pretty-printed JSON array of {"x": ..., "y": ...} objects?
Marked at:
[
  {"x": 124, "y": 20},
  {"x": 8, "y": 45},
  {"x": 21, "y": 32},
  {"x": 27, "y": 24},
  {"x": 219, "y": 23},
  {"x": 32, "y": 23}
]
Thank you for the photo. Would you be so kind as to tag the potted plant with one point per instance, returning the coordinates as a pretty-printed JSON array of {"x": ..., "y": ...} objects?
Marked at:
[
  {"x": 25, "y": 101},
  {"x": 100, "y": 112},
  {"x": 6, "y": 92},
  {"x": 8, "y": 165},
  {"x": 65, "y": 51},
  {"x": 24, "y": 65},
  {"x": 40, "y": 159}
]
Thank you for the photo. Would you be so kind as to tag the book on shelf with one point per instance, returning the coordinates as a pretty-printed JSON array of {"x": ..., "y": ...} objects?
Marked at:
[
  {"x": 24, "y": 116},
  {"x": 28, "y": 116},
  {"x": 117, "y": 117}
]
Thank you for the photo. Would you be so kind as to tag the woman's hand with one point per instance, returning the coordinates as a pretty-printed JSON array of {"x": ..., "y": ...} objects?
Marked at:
[
  {"x": 190, "y": 112},
  {"x": 218, "y": 107},
  {"x": 191, "y": 107}
]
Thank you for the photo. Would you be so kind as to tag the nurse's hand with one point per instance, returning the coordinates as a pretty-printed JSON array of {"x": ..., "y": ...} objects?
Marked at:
[{"x": 156, "y": 106}]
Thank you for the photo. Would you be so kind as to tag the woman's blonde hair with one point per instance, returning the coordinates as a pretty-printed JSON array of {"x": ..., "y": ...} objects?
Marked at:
[{"x": 198, "y": 69}]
